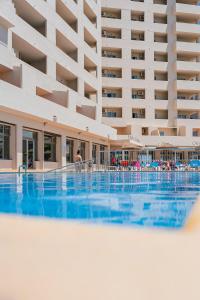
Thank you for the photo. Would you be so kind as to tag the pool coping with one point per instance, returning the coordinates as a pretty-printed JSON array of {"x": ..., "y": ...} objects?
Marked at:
[{"x": 193, "y": 220}]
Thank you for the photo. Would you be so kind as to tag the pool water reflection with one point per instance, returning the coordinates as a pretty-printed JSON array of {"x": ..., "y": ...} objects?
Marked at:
[{"x": 141, "y": 199}]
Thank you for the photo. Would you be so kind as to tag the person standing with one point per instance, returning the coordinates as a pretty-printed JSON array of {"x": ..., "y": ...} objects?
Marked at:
[{"x": 78, "y": 161}]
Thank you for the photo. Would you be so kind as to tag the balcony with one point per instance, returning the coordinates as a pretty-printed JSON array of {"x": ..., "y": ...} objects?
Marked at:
[
  {"x": 160, "y": 19},
  {"x": 188, "y": 66},
  {"x": 112, "y": 73},
  {"x": 67, "y": 15},
  {"x": 137, "y": 16},
  {"x": 189, "y": 80},
  {"x": 188, "y": 28},
  {"x": 191, "y": 115},
  {"x": 138, "y": 74},
  {"x": 111, "y": 34},
  {"x": 89, "y": 13},
  {"x": 111, "y": 53},
  {"x": 161, "y": 114},
  {"x": 161, "y": 95},
  {"x": 187, "y": 46},
  {"x": 137, "y": 55},
  {"x": 111, "y": 93},
  {"x": 29, "y": 54},
  {"x": 30, "y": 15},
  {"x": 111, "y": 13},
  {"x": 138, "y": 113},
  {"x": 138, "y": 94},
  {"x": 162, "y": 2},
  {"x": 160, "y": 76},
  {"x": 112, "y": 112},
  {"x": 196, "y": 132},
  {"x": 160, "y": 37},
  {"x": 137, "y": 35},
  {"x": 187, "y": 7}
]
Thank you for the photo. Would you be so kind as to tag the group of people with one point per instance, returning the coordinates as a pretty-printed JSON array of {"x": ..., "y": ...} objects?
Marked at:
[{"x": 157, "y": 165}]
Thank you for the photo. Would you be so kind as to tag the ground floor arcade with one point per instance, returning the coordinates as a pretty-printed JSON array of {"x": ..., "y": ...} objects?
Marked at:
[{"x": 42, "y": 146}]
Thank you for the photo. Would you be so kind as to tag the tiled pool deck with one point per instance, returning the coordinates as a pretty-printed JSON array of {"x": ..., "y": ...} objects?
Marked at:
[{"x": 61, "y": 260}]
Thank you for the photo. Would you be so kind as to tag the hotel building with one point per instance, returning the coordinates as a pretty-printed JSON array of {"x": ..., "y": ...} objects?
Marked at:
[
  {"x": 97, "y": 75},
  {"x": 50, "y": 83},
  {"x": 151, "y": 73}
]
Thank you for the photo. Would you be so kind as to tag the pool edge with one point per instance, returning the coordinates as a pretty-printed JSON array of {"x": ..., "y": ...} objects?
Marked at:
[{"x": 193, "y": 221}]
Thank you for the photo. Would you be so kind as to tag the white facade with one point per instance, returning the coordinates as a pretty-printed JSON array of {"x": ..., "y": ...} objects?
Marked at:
[
  {"x": 50, "y": 81},
  {"x": 151, "y": 70},
  {"x": 53, "y": 54}
]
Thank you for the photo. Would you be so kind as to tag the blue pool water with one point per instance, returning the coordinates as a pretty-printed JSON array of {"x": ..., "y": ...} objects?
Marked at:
[{"x": 133, "y": 199}]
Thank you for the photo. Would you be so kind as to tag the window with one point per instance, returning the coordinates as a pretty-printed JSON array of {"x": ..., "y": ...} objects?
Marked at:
[
  {"x": 82, "y": 148},
  {"x": 4, "y": 141},
  {"x": 50, "y": 147},
  {"x": 3, "y": 35},
  {"x": 69, "y": 150},
  {"x": 102, "y": 154},
  {"x": 94, "y": 153}
]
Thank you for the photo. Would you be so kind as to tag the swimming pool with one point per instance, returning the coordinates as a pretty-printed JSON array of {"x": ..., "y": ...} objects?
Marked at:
[{"x": 150, "y": 199}]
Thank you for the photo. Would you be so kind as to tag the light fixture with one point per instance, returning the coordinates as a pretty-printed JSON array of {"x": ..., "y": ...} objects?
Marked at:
[{"x": 55, "y": 118}]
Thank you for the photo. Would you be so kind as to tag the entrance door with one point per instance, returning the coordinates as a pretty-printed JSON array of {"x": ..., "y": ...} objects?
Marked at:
[{"x": 28, "y": 153}]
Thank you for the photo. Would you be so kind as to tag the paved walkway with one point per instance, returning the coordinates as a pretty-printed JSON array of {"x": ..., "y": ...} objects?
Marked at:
[{"x": 56, "y": 260}]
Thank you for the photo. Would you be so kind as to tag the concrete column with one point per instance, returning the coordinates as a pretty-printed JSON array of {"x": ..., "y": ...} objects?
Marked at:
[
  {"x": 81, "y": 89},
  {"x": 10, "y": 39},
  {"x": 63, "y": 151},
  {"x": 51, "y": 36},
  {"x": 18, "y": 141},
  {"x": 90, "y": 150},
  {"x": 149, "y": 61},
  {"x": 98, "y": 154},
  {"x": 126, "y": 70},
  {"x": 12, "y": 145},
  {"x": 52, "y": 3},
  {"x": 172, "y": 67},
  {"x": 41, "y": 149},
  {"x": 58, "y": 150},
  {"x": 76, "y": 148}
]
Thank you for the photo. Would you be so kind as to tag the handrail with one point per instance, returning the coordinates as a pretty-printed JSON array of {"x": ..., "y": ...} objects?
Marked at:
[
  {"x": 23, "y": 167},
  {"x": 71, "y": 165}
]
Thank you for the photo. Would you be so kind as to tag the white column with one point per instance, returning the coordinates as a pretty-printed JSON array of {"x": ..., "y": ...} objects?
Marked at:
[
  {"x": 63, "y": 151},
  {"x": 41, "y": 149},
  {"x": 90, "y": 150},
  {"x": 18, "y": 140}
]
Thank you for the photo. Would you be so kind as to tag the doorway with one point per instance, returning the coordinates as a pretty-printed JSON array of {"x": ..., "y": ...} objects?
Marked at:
[{"x": 29, "y": 148}]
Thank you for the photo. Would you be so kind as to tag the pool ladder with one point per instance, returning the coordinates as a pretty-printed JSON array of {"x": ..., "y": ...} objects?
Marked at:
[{"x": 22, "y": 167}]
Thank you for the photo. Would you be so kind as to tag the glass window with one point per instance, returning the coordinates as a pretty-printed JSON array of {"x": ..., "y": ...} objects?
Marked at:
[
  {"x": 4, "y": 141},
  {"x": 94, "y": 153},
  {"x": 3, "y": 35},
  {"x": 50, "y": 147},
  {"x": 102, "y": 154},
  {"x": 82, "y": 149},
  {"x": 69, "y": 150}
]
